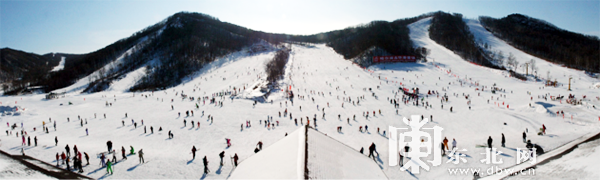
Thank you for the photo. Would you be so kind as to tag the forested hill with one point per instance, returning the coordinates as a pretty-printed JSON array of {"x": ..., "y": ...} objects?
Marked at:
[
  {"x": 392, "y": 37},
  {"x": 544, "y": 40},
  {"x": 18, "y": 67},
  {"x": 450, "y": 31},
  {"x": 185, "y": 42}
]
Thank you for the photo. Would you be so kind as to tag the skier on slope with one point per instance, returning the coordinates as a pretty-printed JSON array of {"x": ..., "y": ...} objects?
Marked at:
[
  {"x": 131, "y": 150},
  {"x": 205, "y": 162},
  {"x": 63, "y": 157},
  {"x": 453, "y": 143},
  {"x": 102, "y": 157},
  {"x": 123, "y": 152},
  {"x": 68, "y": 150},
  {"x": 109, "y": 145},
  {"x": 78, "y": 163},
  {"x": 87, "y": 157},
  {"x": 371, "y": 150},
  {"x": 259, "y": 145},
  {"x": 221, "y": 155},
  {"x": 109, "y": 167},
  {"x": 503, "y": 140},
  {"x": 489, "y": 142},
  {"x": 68, "y": 166},
  {"x": 446, "y": 143},
  {"x": 544, "y": 129},
  {"x": 235, "y": 160},
  {"x": 193, "y": 152},
  {"x": 141, "y": 155}
]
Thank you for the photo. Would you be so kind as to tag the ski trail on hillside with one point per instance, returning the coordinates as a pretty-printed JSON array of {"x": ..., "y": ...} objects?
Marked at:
[{"x": 60, "y": 66}]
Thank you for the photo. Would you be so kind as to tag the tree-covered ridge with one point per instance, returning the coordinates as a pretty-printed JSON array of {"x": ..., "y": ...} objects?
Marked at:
[
  {"x": 450, "y": 31},
  {"x": 546, "y": 41}
]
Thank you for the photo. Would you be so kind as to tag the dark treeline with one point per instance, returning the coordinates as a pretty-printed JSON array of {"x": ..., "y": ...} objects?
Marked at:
[
  {"x": 188, "y": 42},
  {"x": 275, "y": 68},
  {"x": 19, "y": 69},
  {"x": 450, "y": 31},
  {"x": 546, "y": 41}
]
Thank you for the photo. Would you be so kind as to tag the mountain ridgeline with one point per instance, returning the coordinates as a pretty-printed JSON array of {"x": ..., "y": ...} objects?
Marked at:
[
  {"x": 188, "y": 42},
  {"x": 544, "y": 40},
  {"x": 185, "y": 42}
]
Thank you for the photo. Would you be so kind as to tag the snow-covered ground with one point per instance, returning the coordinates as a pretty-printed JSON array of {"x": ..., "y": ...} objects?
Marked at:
[
  {"x": 286, "y": 155},
  {"x": 325, "y": 158},
  {"x": 313, "y": 72},
  {"x": 60, "y": 66},
  {"x": 545, "y": 68},
  {"x": 11, "y": 169},
  {"x": 579, "y": 164}
]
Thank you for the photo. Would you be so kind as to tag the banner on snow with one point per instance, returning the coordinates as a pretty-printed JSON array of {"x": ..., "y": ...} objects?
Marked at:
[{"x": 385, "y": 59}]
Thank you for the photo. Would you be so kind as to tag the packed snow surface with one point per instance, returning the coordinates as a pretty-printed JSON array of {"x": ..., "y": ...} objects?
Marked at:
[
  {"x": 580, "y": 164},
  {"x": 11, "y": 169},
  {"x": 313, "y": 72},
  {"x": 330, "y": 159},
  {"x": 325, "y": 158},
  {"x": 60, "y": 66},
  {"x": 286, "y": 156}
]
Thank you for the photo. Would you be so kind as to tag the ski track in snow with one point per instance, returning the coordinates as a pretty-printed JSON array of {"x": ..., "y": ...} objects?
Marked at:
[{"x": 319, "y": 69}]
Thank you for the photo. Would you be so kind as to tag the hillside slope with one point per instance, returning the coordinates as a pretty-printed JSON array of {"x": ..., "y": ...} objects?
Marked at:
[
  {"x": 544, "y": 40},
  {"x": 313, "y": 72},
  {"x": 541, "y": 67},
  {"x": 21, "y": 68}
]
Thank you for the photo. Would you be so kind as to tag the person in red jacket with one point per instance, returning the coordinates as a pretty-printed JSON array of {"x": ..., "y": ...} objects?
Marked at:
[
  {"x": 63, "y": 156},
  {"x": 544, "y": 128},
  {"x": 235, "y": 160},
  {"x": 57, "y": 159}
]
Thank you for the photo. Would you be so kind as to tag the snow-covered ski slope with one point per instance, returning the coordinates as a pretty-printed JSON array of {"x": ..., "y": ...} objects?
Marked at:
[
  {"x": 61, "y": 64},
  {"x": 556, "y": 71},
  {"x": 285, "y": 155},
  {"x": 325, "y": 158},
  {"x": 578, "y": 164},
  {"x": 313, "y": 72},
  {"x": 82, "y": 83},
  {"x": 330, "y": 159}
]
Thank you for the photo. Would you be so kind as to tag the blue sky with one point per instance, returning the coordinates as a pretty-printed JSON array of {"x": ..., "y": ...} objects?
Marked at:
[{"x": 76, "y": 26}]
